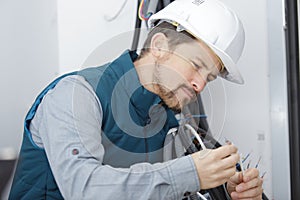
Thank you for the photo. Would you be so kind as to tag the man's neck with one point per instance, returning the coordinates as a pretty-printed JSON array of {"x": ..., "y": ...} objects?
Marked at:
[{"x": 145, "y": 70}]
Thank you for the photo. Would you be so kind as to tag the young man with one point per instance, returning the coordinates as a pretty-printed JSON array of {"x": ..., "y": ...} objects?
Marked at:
[{"x": 99, "y": 133}]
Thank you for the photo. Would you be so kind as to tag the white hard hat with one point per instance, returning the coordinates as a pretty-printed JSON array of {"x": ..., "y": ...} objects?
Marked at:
[{"x": 212, "y": 22}]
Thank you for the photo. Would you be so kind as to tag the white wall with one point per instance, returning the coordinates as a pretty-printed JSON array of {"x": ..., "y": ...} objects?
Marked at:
[
  {"x": 84, "y": 28},
  {"x": 245, "y": 116},
  {"x": 278, "y": 97},
  {"x": 28, "y": 60},
  {"x": 248, "y": 114}
]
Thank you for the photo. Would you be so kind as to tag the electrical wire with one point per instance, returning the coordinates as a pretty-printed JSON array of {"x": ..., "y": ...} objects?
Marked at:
[
  {"x": 113, "y": 17},
  {"x": 196, "y": 116},
  {"x": 201, "y": 196},
  {"x": 141, "y": 8},
  {"x": 262, "y": 176},
  {"x": 137, "y": 31},
  {"x": 258, "y": 162},
  {"x": 193, "y": 149},
  {"x": 248, "y": 165},
  {"x": 196, "y": 135},
  {"x": 241, "y": 164},
  {"x": 246, "y": 157},
  {"x": 216, "y": 192}
]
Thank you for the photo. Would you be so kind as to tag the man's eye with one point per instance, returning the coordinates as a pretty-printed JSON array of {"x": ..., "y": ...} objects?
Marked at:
[
  {"x": 211, "y": 78},
  {"x": 197, "y": 67}
]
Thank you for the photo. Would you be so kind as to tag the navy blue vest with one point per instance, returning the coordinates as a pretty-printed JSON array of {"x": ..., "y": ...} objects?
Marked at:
[{"x": 134, "y": 127}]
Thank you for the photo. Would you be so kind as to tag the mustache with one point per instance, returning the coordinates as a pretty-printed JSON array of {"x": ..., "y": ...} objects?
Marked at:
[
  {"x": 181, "y": 86},
  {"x": 172, "y": 93},
  {"x": 167, "y": 94}
]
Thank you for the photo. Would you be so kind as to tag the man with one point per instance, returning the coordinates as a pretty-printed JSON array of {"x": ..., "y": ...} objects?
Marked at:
[{"x": 100, "y": 133}]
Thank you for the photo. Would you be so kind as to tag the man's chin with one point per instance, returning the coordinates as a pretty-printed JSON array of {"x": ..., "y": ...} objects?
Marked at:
[
  {"x": 176, "y": 107},
  {"x": 179, "y": 107},
  {"x": 187, "y": 101}
]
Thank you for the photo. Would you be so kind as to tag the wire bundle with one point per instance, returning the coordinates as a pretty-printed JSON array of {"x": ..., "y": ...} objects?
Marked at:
[{"x": 141, "y": 11}]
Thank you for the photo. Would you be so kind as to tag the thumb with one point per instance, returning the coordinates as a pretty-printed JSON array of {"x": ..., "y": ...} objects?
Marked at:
[
  {"x": 234, "y": 181},
  {"x": 237, "y": 178}
]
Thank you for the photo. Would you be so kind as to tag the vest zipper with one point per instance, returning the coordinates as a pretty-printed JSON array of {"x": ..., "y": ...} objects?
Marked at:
[{"x": 146, "y": 146}]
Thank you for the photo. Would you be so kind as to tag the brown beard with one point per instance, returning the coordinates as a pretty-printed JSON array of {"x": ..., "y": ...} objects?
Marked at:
[{"x": 169, "y": 96}]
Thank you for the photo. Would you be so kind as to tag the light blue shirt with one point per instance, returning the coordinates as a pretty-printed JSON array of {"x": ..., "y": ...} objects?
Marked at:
[{"x": 72, "y": 141}]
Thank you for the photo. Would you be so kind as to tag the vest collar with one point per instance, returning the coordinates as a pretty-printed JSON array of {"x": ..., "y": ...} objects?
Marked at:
[{"x": 141, "y": 98}]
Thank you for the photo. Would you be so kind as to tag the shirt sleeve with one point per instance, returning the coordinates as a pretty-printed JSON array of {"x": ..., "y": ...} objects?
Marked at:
[{"x": 68, "y": 126}]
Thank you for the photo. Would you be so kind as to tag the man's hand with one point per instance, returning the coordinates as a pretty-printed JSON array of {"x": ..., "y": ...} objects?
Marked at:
[
  {"x": 248, "y": 186},
  {"x": 215, "y": 166}
]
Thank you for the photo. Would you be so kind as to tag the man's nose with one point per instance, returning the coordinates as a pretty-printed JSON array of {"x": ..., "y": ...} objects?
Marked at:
[
  {"x": 198, "y": 85},
  {"x": 199, "y": 82}
]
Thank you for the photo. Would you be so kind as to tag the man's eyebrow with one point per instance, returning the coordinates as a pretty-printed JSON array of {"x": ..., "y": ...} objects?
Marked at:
[
  {"x": 204, "y": 65},
  {"x": 201, "y": 61}
]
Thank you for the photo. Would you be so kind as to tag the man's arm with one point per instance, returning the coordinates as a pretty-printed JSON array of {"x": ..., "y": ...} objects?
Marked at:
[{"x": 68, "y": 126}]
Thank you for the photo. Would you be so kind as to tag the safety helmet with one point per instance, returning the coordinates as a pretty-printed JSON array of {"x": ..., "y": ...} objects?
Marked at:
[{"x": 212, "y": 22}]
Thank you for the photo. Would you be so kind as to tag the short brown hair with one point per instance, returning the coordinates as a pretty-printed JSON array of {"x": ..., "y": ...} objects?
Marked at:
[{"x": 175, "y": 37}]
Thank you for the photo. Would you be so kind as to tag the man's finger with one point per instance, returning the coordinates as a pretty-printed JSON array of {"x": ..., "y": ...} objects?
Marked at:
[
  {"x": 251, "y": 194},
  {"x": 250, "y": 174},
  {"x": 226, "y": 150},
  {"x": 237, "y": 178},
  {"x": 230, "y": 161},
  {"x": 257, "y": 182}
]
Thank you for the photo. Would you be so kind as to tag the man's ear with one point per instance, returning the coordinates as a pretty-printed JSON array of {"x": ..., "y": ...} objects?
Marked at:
[{"x": 159, "y": 45}]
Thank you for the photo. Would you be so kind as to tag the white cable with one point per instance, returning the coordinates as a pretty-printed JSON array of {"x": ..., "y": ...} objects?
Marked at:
[
  {"x": 196, "y": 135},
  {"x": 201, "y": 196},
  {"x": 203, "y": 148},
  {"x": 172, "y": 131},
  {"x": 241, "y": 164},
  {"x": 113, "y": 17}
]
